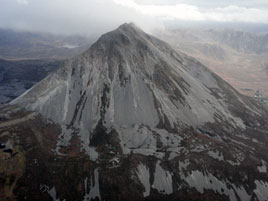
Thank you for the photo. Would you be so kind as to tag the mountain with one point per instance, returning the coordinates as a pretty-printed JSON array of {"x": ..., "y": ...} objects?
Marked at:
[
  {"x": 241, "y": 41},
  {"x": 33, "y": 45},
  {"x": 18, "y": 76},
  {"x": 132, "y": 119},
  {"x": 239, "y": 57}
]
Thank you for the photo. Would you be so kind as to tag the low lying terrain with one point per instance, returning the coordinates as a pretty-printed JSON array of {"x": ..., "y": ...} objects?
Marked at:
[
  {"x": 18, "y": 76},
  {"x": 32, "y": 45}
]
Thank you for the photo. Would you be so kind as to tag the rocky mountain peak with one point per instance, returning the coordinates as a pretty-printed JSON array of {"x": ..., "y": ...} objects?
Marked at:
[
  {"x": 127, "y": 71},
  {"x": 123, "y": 39},
  {"x": 129, "y": 27}
]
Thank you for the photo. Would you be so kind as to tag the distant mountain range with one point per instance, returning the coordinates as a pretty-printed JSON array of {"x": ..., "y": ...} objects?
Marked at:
[
  {"x": 31, "y": 45},
  {"x": 240, "y": 57},
  {"x": 241, "y": 41}
]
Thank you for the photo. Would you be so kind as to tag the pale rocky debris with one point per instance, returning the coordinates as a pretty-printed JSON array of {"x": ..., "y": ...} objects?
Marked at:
[
  {"x": 216, "y": 155},
  {"x": 93, "y": 191},
  {"x": 261, "y": 190},
  {"x": 202, "y": 181},
  {"x": 51, "y": 191},
  {"x": 263, "y": 167},
  {"x": 144, "y": 177},
  {"x": 162, "y": 180}
]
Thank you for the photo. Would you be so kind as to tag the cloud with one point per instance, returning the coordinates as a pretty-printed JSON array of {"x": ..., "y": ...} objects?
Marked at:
[
  {"x": 238, "y": 14},
  {"x": 181, "y": 11},
  {"x": 99, "y": 16},
  {"x": 69, "y": 16},
  {"x": 178, "y": 11},
  {"x": 159, "y": 2},
  {"x": 24, "y": 2}
]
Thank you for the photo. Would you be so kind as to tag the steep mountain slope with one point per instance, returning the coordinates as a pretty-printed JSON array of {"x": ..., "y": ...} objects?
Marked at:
[
  {"x": 131, "y": 119},
  {"x": 237, "y": 56}
]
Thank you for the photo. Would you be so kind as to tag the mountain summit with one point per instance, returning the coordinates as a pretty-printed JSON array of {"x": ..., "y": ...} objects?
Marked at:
[{"x": 142, "y": 121}]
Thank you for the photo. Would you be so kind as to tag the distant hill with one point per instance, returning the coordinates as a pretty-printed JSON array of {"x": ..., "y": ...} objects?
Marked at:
[
  {"x": 18, "y": 76},
  {"x": 28, "y": 45},
  {"x": 240, "y": 57},
  {"x": 26, "y": 58},
  {"x": 240, "y": 40}
]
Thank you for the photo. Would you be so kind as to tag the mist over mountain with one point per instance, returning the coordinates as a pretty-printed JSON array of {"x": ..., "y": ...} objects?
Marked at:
[
  {"x": 133, "y": 119},
  {"x": 206, "y": 25}
]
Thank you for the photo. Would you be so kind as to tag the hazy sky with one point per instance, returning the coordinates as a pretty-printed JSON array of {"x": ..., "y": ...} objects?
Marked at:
[{"x": 97, "y": 16}]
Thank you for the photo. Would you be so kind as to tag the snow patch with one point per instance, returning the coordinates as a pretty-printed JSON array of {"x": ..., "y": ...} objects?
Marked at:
[
  {"x": 202, "y": 181},
  {"x": 262, "y": 168},
  {"x": 144, "y": 177},
  {"x": 261, "y": 190},
  {"x": 51, "y": 191},
  {"x": 94, "y": 190},
  {"x": 216, "y": 155}
]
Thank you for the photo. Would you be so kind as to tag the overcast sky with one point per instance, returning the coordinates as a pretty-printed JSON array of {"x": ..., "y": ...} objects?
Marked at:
[{"x": 98, "y": 16}]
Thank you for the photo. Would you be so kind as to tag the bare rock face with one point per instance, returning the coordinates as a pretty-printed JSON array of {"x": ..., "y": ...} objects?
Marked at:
[{"x": 132, "y": 119}]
